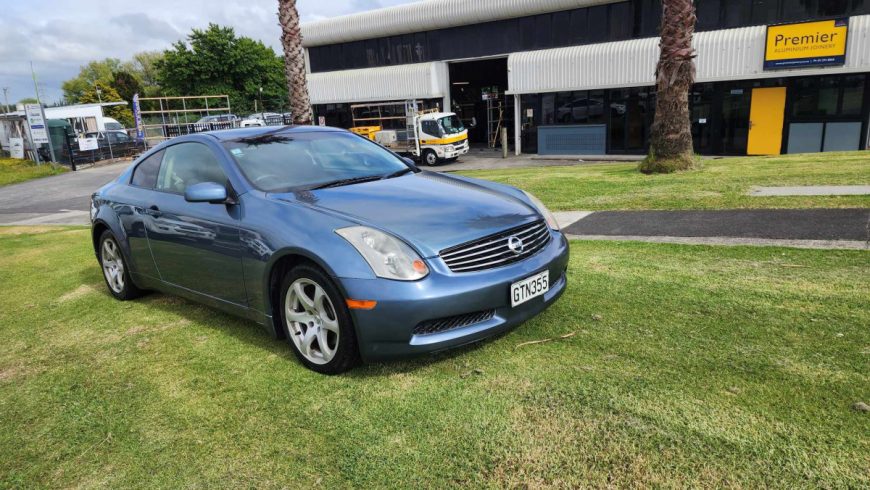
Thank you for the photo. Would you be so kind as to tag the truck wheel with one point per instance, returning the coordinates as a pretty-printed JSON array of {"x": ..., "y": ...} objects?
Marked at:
[{"x": 430, "y": 158}]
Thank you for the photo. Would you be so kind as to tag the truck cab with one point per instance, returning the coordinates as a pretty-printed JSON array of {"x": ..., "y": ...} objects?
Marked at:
[{"x": 442, "y": 136}]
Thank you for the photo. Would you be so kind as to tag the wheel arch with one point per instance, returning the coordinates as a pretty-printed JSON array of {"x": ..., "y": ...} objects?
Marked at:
[
  {"x": 281, "y": 264},
  {"x": 97, "y": 230}
]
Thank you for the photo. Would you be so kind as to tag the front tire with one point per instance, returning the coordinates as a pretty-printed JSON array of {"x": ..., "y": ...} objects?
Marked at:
[
  {"x": 115, "y": 270},
  {"x": 316, "y": 321},
  {"x": 430, "y": 158}
]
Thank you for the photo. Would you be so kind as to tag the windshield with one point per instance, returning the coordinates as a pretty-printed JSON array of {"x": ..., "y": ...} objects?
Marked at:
[
  {"x": 284, "y": 162},
  {"x": 451, "y": 125},
  {"x": 111, "y": 125}
]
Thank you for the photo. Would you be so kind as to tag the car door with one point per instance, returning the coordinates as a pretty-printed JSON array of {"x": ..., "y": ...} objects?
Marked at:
[
  {"x": 195, "y": 245},
  {"x": 137, "y": 197}
]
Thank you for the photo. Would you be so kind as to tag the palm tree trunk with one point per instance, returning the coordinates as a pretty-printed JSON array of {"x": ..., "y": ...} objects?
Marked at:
[
  {"x": 671, "y": 132},
  {"x": 294, "y": 61}
]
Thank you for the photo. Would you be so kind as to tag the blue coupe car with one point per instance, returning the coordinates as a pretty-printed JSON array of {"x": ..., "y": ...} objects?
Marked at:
[{"x": 330, "y": 241}]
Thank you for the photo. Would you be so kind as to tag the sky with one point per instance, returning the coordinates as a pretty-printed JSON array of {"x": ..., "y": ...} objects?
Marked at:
[{"x": 59, "y": 36}]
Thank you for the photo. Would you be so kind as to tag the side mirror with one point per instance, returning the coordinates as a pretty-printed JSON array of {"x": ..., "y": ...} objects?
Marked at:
[
  {"x": 210, "y": 192},
  {"x": 409, "y": 161}
]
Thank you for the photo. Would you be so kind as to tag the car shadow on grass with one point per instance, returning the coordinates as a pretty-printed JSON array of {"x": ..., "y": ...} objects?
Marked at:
[{"x": 253, "y": 334}]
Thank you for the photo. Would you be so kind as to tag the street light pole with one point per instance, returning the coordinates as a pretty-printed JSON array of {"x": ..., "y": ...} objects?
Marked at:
[{"x": 105, "y": 132}]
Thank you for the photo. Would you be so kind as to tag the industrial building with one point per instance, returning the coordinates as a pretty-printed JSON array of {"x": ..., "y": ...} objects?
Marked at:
[{"x": 577, "y": 76}]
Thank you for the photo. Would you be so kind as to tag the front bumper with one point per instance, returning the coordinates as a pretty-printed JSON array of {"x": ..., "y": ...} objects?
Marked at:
[
  {"x": 387, "y": 331},
  {"x": 458, "y": 150}
]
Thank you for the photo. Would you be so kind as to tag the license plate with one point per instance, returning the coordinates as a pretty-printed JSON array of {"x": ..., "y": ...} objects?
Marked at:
[{"x": 530, "y": 287}]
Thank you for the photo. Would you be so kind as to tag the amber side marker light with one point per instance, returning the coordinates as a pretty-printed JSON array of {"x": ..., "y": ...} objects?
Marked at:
[{"x": 361, "y": 304}]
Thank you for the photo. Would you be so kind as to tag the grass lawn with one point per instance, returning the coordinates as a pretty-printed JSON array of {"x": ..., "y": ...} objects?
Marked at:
[
  {"x": 13, "y": 171},
  {"x": 719, "y": 184},
  {"x": 689, "y": 366}
]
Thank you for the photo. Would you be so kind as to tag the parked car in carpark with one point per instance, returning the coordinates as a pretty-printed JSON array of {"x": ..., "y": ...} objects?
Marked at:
[
  {"x": 218, "y": 118},
  {"x": 329, "y": 240},
  {"x": 250, "y": 122},
  {"x": 264, "y": 116},
  {"x": 110, "y": 137}
]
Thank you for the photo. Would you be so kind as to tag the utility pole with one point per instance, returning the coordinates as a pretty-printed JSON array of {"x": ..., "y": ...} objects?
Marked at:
[
  {"x": 38, "y": 101},
  {"x": 105, "y": 132},
  {"x": 6, "y": 98}
]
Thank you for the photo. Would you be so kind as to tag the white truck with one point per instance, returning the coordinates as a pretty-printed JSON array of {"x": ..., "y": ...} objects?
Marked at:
[{"x": 429, "y": 136}]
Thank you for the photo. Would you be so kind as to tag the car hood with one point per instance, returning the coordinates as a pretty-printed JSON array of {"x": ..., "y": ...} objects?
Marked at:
[{"x": 430, "y": 211}]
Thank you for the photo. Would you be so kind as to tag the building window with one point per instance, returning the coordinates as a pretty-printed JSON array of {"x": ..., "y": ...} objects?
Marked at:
[
  {"x": 853, "y": 95},
  {"x": 823, "y": 97}
]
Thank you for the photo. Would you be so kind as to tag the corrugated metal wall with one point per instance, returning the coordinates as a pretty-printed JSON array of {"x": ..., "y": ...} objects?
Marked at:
[
  {"x": 418, "y": 81},
  {"x": 425, "y": 16},
  {"x": 733, "y": 54}
]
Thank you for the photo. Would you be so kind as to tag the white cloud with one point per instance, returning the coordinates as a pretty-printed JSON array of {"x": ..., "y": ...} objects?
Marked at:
[{"x": 59, "y": 36}]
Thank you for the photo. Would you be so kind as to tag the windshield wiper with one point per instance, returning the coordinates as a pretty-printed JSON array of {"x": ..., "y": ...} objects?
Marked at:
[
  {"x": 339, "y": 183},
  {"x": 398, "y": 173}
]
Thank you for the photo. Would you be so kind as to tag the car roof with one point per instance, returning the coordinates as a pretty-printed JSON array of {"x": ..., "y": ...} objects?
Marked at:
[{"x": 231, "y": 134}]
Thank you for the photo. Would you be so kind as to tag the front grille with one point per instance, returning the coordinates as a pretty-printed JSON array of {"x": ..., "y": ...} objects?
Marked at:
[
  {"x": 451, "y": 322},
  {"x": 493, "y": 251}
]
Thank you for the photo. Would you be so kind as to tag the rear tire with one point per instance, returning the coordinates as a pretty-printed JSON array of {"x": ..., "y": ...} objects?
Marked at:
[
  {"x": 430, "y": 158},
  {"x": 316, "y": 321},
  {"x": 116, "y": 272}
]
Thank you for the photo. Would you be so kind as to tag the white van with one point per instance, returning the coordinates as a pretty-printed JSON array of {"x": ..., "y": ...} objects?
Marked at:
[{"x": 110, "y": 124}]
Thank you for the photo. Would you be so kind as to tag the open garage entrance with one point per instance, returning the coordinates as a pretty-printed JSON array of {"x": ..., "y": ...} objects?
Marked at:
[{"x": 477, "y": 95}]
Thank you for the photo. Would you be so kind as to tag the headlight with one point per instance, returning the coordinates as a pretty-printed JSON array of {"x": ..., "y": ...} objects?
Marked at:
[
  {"x": 388, "y": 256},
  {"x": 548, "y": 216}
]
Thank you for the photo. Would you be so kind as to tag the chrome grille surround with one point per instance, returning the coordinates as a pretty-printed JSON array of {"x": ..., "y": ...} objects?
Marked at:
[
  {"x": 451, "y": 322},
  {"x": 494, "y": 250}
]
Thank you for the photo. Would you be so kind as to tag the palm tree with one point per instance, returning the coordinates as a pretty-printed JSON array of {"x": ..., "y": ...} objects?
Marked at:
[
  {"x": 294, "y": 61},
  {"x": 671, "y": 132}
]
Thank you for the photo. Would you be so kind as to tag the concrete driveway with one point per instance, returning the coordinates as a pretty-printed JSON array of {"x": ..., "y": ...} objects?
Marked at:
[
  {"x": 58, "y": 200},
  {"x": 65, "y": 199}
]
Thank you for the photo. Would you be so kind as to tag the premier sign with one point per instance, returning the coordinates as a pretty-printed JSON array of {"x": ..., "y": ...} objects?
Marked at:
[{"x": 818, "y": 43}]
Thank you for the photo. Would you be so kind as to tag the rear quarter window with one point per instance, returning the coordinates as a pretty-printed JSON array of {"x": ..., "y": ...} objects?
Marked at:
[{"x": 145, "y": 174}]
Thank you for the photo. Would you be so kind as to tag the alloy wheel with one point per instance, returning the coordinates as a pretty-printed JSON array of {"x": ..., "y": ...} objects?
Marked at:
[
  {"x": 311, "y": 321},
  {"x": 113, "y": 265}
]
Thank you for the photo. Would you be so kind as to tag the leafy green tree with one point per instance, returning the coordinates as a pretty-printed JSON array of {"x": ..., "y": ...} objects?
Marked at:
[
  {"x": 122, "y": 113},
  {"x": 127, "y": 85},
  {"x": 215, "y": 61},
  {"x": 143, "y": 66},
  {"x": 28, "y": 100},
  {"x": 95, "y": 71}
]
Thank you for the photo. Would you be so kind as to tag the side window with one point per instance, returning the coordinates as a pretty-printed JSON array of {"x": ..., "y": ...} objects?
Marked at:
[
  {"x": 430, "y": 128},
  {"x": 186, "y": 164},
  {"x": 145, "y": 174}
]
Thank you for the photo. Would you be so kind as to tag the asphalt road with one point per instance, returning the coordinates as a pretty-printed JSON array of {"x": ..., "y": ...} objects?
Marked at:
[
  {"x": 777, "y": 224},
  {"x": 60, "y": 199},
  {"x": 64, "y": 199}
]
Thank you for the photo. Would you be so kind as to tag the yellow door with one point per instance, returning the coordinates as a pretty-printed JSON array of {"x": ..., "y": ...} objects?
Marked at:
[{"x": 766, "y": 116}]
